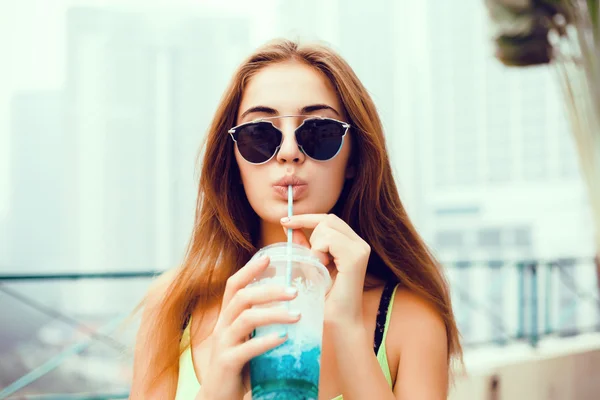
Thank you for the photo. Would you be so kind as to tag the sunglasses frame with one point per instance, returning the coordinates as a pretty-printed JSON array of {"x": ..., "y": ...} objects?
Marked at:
[{"x": 344, "y": 125}]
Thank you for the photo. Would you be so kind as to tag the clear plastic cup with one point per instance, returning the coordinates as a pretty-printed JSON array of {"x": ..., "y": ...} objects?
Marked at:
[{"x": 291, "y": 370}]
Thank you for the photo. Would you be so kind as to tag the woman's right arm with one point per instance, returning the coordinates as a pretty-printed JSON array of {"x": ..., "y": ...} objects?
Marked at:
[
  {"x": 141, "y": 356},
  {"x": 230, "y": 345}
]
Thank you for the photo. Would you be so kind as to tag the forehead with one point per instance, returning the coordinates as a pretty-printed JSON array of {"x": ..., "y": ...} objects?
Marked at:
[{"x": 287, "y": 87}]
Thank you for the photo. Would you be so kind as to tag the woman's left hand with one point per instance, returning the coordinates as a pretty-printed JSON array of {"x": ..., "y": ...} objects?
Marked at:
[{"x": 333, "y": 239}]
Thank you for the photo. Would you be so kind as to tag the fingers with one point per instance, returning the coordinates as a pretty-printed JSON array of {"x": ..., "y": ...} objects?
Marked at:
[
  {"x": 255, "y": 295},
  {"x": 319, "y": 242},
  {"x": 240, "y": 319},
  {"x": 253, "y": 318},
  {"x": 242, "y": 278},
  {"x": 298, "y": 237},
  {"x": 331, "y": 236},
  {"x": 326, "y": 243},
  {"x": 330, "y": 241},
  {"x": 235, "y": 357},
  {"x": 311, "y": 221}
]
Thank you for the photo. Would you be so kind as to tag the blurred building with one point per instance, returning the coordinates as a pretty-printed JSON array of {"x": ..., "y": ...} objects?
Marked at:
[
  {"x": 138, "y": 81},
  {"x": 38, "y": 220},
  {"x": 496, "y": 171},
  {"x": 34, "y": 236},
  {"x": 499, "y": 180},
  {"x": 4, "y": 240}
]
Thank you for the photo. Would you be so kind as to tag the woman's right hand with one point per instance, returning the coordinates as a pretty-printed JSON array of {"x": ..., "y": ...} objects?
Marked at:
[{"x": 231, "y": 345}]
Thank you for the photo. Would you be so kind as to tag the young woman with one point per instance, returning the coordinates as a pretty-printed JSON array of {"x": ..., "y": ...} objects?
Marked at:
[{"x": 297, "y": 114}]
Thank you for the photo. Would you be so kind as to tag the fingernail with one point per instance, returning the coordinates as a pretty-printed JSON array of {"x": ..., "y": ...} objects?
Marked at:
[
  {"x": 285, "y": 220},
  {"x": 294, "y": 313},
  {"x": 282, "y": 334},
  {"x": 291, "y": 290}
]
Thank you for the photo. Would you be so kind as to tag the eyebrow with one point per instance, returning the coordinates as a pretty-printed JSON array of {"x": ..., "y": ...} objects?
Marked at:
[{"x": 304, "y": 110}]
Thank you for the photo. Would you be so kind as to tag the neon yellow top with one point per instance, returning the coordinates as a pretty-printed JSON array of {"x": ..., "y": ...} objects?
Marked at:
[{"x": 188, "y": 385}]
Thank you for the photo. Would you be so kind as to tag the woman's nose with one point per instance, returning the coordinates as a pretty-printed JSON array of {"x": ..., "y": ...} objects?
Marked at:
[{"x": 289, "y": 150}]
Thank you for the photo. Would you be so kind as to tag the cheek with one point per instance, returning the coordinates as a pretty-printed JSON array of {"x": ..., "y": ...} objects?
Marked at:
[
  {"x": 255, "y": 181},
  {"x": 248, "y": 171},
  {"x": 328, "y": 187},
  {"x": 251, "y": 179}
]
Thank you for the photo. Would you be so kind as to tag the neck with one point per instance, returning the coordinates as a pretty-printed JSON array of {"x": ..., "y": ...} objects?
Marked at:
[{"x": 271, "y": 233}]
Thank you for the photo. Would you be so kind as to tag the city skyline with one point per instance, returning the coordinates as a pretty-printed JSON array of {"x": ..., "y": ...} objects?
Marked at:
[
  {"x": 512, "y": 161},
  {"x": 136, "y": 84}
]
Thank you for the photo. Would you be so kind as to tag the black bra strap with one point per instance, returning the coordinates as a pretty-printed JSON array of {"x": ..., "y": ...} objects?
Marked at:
[{"x": 384, "y": 304}]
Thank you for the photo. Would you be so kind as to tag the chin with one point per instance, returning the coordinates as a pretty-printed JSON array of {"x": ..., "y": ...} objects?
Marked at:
[{"x": 271, "y": 212}]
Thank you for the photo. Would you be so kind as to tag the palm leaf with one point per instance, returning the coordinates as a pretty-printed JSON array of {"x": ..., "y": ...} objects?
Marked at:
[{"x": 566, "y": 35}]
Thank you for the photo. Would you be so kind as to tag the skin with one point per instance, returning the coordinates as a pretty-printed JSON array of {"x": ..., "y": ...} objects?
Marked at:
[
  {"x": 416, "y": 341},
  {"x": 291, "y": 89}
]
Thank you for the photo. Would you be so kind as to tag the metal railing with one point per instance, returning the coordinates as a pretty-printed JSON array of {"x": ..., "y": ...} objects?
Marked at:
[{"x": 524, "y": 301}]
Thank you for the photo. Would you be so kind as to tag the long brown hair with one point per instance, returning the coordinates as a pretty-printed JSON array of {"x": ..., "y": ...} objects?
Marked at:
[{"x": 225, "y": 232}]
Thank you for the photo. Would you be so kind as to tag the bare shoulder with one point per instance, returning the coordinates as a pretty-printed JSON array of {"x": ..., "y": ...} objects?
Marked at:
[
  {"x": 414, "y": 318},
  {"x": 418, "y": 344},
  {"x": 412, "y": 311}
]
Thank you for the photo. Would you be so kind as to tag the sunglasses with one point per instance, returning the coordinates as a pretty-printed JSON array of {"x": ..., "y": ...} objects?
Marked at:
[{"x": 320, "y": 138}]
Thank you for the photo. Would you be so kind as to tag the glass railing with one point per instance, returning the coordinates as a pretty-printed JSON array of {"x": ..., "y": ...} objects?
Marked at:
[
  {"x": 499, "y": 302},
  {"x": 70, "y": 335}
]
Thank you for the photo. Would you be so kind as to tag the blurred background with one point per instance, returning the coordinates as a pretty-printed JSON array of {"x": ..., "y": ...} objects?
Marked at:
[{"x": 103, "y": 107}]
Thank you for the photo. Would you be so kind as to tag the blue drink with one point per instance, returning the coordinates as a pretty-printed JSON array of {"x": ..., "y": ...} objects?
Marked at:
[{"x": 291, "y": 370}]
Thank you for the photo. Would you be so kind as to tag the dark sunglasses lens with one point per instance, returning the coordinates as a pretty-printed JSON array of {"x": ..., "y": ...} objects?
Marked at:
[
  {"x": 257, "y": 142},
  {"x": 321, "y": 139}
]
